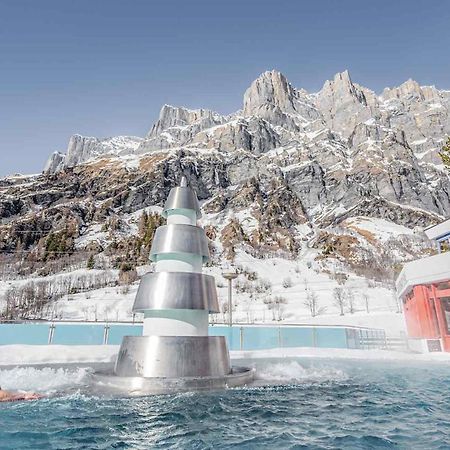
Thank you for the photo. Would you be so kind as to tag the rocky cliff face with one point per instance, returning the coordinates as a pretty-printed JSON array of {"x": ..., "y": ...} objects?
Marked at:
[
  {"x": 81, "y": 149},
  {"x": 288, "y": 164},
  {"x": 275, "y": 114}
]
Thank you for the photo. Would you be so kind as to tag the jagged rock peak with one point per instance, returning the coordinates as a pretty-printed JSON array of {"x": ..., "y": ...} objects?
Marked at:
[
  {"x": 84, "y": 148},
  {"x": 173, "y": 116},
  {"x": 343, "y": 76},
  {"x": 342, "y": 86},
  {"x": 409, "y": 88},
  {"x": 55, "y": 162},
  {"x": 270, "y": 88},
  {"x": 340, "y": 80}
]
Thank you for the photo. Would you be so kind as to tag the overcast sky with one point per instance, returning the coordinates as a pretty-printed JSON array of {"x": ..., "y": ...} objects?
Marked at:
[{"x": 104, "y": 68}]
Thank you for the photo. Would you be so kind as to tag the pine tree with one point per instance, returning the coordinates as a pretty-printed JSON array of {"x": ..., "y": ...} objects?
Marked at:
[
  {"x": 143, "y": 221},
  {"x": 91, "y": 262},
  {"x": 149, "y": 226},
  {"x": 445, "y": 153}
]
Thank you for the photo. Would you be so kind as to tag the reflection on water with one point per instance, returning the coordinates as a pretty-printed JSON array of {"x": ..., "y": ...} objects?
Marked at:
[{"x": 316, "y": 404}]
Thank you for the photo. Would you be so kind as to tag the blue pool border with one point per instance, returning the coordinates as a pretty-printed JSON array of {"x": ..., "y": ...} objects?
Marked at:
[{"x": 239, "y": 337}]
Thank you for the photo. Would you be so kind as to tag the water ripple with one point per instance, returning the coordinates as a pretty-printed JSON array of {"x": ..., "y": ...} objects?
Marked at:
[{"x": 294, "y": 405}]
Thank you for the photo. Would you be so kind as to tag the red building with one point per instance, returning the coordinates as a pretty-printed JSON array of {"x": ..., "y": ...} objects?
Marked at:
[{"x": 424, "y": 289}]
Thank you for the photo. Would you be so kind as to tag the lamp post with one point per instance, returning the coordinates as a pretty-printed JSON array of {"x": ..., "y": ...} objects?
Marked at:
[{"x": 230, "y": 276}]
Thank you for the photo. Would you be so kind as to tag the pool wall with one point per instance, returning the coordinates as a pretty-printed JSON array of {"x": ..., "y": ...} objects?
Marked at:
[{"x": 239, "y": 337}]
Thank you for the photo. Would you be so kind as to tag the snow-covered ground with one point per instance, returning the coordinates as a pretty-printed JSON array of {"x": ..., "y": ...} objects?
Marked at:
[
  {"x": 339, "y": 353},
  {"x": 107, "y": 304},
  {"x": 292, "y": 280},
  {"x": 11, "y": 355},
  {"x": 382, "y": 229}
]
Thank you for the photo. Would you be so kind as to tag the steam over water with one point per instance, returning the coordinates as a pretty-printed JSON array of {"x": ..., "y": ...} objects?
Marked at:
[{"x": 293, "y": 404}]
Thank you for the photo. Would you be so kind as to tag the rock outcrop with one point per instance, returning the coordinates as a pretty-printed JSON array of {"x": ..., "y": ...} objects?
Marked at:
[
  {"x": 55, "y": 162},
  {"x": 288, "y": 163},
  {"x": 82, "y": 149}
]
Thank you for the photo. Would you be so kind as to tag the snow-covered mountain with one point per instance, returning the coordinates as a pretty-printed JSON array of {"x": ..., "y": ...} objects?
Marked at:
[
  {"x": 343, "y": 175},
  {"x": 82, "y": 149},
  {"x": 339, "y": 149}
]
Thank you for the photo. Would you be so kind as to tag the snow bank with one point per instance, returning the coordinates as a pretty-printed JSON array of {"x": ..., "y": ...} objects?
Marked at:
[
  {"x": 337, "y": 353},
  {"x": 382, "y": 229},
  {"x": 18, "y": 355},
  {"x": 11, "y": 355},
  {"x": 392, "y": 323}
]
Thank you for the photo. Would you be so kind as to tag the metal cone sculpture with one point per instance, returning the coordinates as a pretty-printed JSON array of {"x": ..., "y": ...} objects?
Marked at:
[{"x": 176, "y": 300}]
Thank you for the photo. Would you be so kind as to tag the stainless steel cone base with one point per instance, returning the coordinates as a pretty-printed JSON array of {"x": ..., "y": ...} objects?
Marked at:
[
  {"x": 166, "y": 364},
  {"x": 173, "y": 357},
  {"x": 139, "y": 386}
]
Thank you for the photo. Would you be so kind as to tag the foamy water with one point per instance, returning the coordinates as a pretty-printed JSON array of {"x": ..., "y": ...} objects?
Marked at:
[
  {"x": 43, "y": 380},
  {"x": 292, "y": 372},
  {"x": 49, "y": 380}
]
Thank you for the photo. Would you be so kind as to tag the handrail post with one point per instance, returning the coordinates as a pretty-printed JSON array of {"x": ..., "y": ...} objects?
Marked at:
[
  {"x": 51, "y": 332},
  {"x": 241, "y": 338},
  {"x": 106, "y": 334}
]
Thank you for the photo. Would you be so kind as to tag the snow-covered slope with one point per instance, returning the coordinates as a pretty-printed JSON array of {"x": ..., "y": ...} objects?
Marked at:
[{"x": 373, "y": 304}]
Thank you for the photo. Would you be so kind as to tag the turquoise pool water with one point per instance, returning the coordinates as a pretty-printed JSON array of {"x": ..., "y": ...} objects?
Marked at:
[{"x": 294, "y": 404}]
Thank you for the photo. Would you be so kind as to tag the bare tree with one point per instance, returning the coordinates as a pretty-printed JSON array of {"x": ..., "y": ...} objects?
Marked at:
[
  {"x": 398, "y": 306},
  {"x": 305, "y": 282},
  {"x": 85, "y": 310},
  {"x": 263, "y": 286},
  {"x": 127, "y": 274},
  {"x": 351, "y": 302},
  {"x": 279, "y": 304},
  {"x": 269, "y": 302},
  {"x": 366, "y": 301},
  {"x": 107, "y": 313},
  {"x": 339, "y": 299},
  {"x": 312, "y": 303},
  {"x": 224, "y": 310},
  {"x": 248, "y": 307}
]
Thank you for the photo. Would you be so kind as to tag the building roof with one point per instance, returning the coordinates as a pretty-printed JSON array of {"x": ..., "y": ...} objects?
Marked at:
[
  {"x": 439, "y": 232},
  {"x": 433, "y": 269}
]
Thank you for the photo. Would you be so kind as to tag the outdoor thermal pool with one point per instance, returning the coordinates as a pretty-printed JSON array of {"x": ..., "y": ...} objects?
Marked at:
[{"x": 293, "y": 404}]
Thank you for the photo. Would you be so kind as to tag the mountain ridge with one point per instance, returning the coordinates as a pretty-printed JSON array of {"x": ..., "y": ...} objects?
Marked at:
[
  {"x": 331, "y": 106},
  {"x": 288, "y": 170}
]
